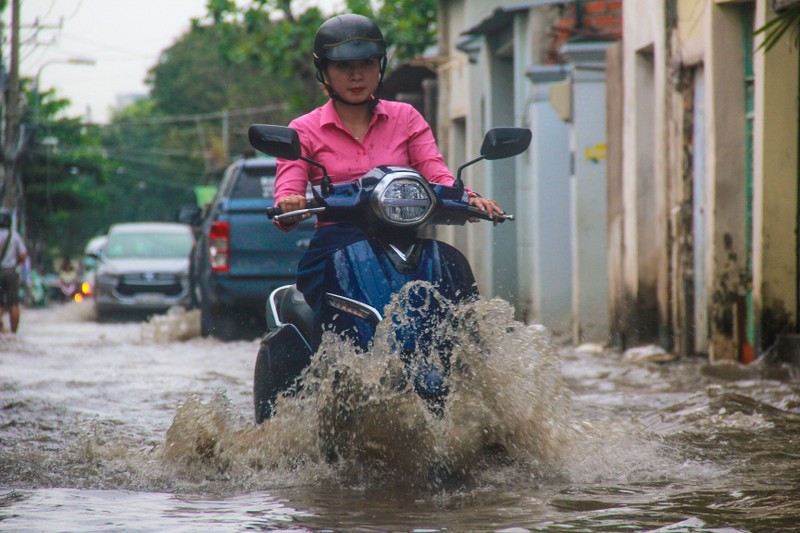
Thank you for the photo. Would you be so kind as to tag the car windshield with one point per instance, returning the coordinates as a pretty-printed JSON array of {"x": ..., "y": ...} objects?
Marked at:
[{"x": 136, "y": 245}]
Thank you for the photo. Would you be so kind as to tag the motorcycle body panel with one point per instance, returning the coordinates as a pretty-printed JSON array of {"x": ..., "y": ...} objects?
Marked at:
[
  {"x": 283, "y": 355},
  {"x": 390, "y": 205},
  {"x": 366, "y": 272}
]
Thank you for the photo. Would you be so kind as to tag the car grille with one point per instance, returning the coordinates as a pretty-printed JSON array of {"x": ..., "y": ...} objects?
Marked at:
[{"x": 166, "y": 284}]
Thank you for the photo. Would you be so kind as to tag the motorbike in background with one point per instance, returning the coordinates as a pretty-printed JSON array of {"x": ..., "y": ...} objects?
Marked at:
[{"x": 70, "y": 285}]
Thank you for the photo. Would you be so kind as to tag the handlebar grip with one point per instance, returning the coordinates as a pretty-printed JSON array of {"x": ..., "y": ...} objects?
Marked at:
[
  {"x": 483, "y": 215},
  {"x": 275, "y": 211}
]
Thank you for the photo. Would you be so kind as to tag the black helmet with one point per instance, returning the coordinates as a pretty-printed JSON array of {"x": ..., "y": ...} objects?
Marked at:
[{"x": 346, "y": 38}]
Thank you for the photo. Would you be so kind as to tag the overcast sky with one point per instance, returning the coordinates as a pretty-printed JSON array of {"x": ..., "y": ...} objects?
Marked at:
[{"x": 123, "y": 37}]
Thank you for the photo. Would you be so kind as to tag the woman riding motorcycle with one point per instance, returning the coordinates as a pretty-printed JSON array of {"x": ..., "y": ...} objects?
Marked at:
[{"x": 350, "y": 60}]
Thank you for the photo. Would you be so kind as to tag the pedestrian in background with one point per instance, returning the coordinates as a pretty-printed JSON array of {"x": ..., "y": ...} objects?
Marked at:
[{"x": 12, "y": 254}]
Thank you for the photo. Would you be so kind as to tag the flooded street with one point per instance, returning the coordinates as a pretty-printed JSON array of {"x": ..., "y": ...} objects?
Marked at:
[{"x": 147, "y": 427}]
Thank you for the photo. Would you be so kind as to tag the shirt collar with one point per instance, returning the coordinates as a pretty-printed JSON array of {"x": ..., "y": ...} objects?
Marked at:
[{"x": 330, "y": 116}]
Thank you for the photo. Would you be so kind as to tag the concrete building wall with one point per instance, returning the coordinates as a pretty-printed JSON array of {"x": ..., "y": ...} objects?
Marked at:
[
  {"x": 685, "y": 151},
  {"x": 615, "y": 105},
  {"x": 645, "y": 183},
  {"x": 529, "y": 262},
  {"x": 453, "y": 80},
  {"x": 722, "y": 175},
  {"x": 589, "y": 208},
  {"x": 548, "y": 220},
  {"x": 462, "y": 104},
  {"x": 775, "y": 220},
  {"x": 726, "y": 178},
  {"x": 686, "y": 259}
]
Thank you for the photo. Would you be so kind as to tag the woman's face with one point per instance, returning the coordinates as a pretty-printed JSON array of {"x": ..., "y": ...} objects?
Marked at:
[{"x": 354, "y": 81}]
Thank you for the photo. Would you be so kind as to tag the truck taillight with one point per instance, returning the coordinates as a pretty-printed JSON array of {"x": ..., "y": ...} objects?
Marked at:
[{"x": 218, "y": 246}]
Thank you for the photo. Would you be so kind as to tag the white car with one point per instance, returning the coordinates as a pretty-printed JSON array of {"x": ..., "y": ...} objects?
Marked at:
[
  {"x": 91, "y": 252},
  {"x": 143, "y": 267}
]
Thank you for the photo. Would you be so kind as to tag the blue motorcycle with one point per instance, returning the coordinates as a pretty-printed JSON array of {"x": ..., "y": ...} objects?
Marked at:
[{"x": 393, "y": 205}]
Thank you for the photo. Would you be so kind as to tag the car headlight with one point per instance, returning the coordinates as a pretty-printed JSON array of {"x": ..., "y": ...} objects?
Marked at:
[{"x": 403, "y": 199}]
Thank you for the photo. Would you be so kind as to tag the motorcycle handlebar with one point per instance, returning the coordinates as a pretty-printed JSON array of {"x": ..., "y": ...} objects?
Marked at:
[
  {"x": 312, "y": 206},
  {"x": 483, "y": 215}
]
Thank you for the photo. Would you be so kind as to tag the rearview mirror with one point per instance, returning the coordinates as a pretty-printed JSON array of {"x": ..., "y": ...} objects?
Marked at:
[
  {"x": 190, "y": 215},
  {"x": 277, "y": 141},
  {"x": 284, "y": 143},
  {"x": 501, "y": 143}
]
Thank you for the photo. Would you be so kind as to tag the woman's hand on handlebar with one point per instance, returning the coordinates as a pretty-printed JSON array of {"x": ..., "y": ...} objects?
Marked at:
[
  {"x": 293, "y": 202},
  {"x": 488, "y": 206}
]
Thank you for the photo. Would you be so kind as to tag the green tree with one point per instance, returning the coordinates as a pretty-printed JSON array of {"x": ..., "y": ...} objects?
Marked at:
[
  {"x": 408, "y": 25},
  {"x": 277, "y": 41},
  {"x": 237, "y": 66},
  {"x": 63, "y": 174},
  {"x": 150, "y": 165}
]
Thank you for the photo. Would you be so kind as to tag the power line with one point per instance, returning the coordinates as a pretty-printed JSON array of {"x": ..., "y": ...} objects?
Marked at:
[
  {"x": 174, "y": 119},
  {"x": 129, "y": 176},
  {"x": 160, "y": 165},
  {"x": 166, "y": 152}
]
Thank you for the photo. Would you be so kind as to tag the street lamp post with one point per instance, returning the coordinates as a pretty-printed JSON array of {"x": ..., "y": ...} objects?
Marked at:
[
  {"x": 64, "y": 61},
  {"x": 37, "y": 102}
]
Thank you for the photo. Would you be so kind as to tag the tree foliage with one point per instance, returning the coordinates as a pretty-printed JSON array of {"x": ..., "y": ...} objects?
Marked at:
[
  {"x": 773, "y": 31},
  {"x": 238, "y": 65},
  {"x": 64, "y": 182},
  {"x": 409, "y": 26}
]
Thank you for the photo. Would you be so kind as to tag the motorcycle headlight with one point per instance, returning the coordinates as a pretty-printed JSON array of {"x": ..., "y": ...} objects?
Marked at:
[{"x": 403, "y": 200}]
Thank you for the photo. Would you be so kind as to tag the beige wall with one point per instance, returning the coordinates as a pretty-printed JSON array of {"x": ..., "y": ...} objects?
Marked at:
[
  {"x": 461, "y": 103},
  {"x": 776, "y": 185},
  {"x": 645, "y": 184},
  {"x": 691, "y": 29},
  {"x": 725, "y": 167}
]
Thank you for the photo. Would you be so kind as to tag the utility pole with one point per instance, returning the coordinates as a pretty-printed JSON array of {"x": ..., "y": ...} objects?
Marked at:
[{"x": 10, "y": 146}]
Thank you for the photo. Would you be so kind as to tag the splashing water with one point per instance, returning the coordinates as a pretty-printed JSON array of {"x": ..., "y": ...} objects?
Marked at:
[{"x": 358, "y": 420}]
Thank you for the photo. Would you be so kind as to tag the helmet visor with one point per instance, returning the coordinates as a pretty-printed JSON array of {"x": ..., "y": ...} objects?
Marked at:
[{"x": 353, "y": 49}]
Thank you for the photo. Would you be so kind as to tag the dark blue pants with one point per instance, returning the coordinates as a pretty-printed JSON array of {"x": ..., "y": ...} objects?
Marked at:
[{"x": 311, "y": 269}]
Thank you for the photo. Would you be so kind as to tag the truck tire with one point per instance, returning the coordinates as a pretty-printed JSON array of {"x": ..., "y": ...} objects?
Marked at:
[{"x": 217, "y": 321}]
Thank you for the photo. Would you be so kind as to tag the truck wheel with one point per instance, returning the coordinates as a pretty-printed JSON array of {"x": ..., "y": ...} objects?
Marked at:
[{"x": 217, "y": 322}]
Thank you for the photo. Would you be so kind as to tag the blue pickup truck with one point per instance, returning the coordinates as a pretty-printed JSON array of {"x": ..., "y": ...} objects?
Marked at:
[{"x": 240, "y": 256}]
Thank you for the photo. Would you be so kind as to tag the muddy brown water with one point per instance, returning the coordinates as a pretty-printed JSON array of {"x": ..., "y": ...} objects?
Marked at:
[{"x": 147, "y": 427}]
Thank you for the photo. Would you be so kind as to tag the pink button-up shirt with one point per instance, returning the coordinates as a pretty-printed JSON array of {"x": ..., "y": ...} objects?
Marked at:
[{"x": 397, "y": 135}]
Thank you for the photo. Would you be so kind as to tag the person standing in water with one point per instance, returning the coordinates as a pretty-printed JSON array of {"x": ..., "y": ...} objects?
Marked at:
[{"x": 12, "y": 254}]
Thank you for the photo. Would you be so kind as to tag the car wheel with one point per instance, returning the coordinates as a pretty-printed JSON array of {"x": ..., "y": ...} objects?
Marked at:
[{"x": 100, "y": 316}]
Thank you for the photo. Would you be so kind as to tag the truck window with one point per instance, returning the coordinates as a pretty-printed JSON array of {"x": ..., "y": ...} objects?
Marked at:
[{"x": 254, "y": 183}]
